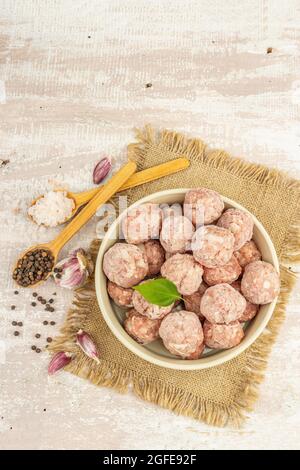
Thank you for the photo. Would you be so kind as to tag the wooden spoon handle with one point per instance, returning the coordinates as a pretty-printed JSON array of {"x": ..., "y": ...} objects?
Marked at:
[
  {"x": 89, "y": 210},
  {"x": 138, "y": 178}
]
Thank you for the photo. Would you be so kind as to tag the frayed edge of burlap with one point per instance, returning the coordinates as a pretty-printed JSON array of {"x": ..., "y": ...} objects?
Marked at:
[{"x": 181, "y": 402}]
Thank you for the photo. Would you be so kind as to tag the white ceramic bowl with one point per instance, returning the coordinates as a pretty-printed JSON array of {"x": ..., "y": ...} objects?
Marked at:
[{"x": 155, "y": 352}]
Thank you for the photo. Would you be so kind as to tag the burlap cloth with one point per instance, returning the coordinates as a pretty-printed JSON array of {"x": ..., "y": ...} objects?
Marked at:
[{"x": 222, "y": 394}]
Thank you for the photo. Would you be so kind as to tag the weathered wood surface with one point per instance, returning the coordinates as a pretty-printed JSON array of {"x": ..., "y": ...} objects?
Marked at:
[{"x": 73, "y": 81}]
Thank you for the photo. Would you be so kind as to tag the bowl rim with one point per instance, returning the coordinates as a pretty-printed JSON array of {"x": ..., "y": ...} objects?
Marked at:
[{"x": 154, "y": 358}]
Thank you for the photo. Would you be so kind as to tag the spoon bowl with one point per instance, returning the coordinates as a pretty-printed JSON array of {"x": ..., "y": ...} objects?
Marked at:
[
  {"x": 69, "y": 195},
  {"x": 50, "y": 248}
]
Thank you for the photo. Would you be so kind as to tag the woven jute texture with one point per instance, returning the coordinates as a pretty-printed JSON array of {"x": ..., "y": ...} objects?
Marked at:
[{"x": 221, "y": 395}]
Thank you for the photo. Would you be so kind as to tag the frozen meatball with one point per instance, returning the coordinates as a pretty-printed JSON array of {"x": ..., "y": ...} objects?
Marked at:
[
  {"x": 212, "y": 246},
  {"x": 250, "y": 310},
  {"x": 227, "y": 273},
  {"x": 222, "y": 336},
  {"x": 142, "y": 329},
  {"x": 176, "y": 234},
  {"x": 122, "y": 296},
  {"x": 240, "y": 224},
  {"x": 222, "y": 304},
  {"x": 192, "y": 301},
  {"x": 203, "y": 206},
  {"x": 184, "y": 271},
  {"x": 155, "y": 255},
  {"x": 125, "y": 264},
  {"x": 147, "y": 309},
  {"x": 260, "y": 282},
  {"x": 142, "y": 223},
  {"x": 248, "y": 253},
  {"x": 182, "y": 333}
]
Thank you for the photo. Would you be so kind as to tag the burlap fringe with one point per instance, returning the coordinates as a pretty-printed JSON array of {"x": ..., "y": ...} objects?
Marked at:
[{"x": 155, "y": 391}]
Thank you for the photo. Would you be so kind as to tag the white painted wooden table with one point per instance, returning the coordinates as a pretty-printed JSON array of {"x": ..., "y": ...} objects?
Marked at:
[{"x": 73, "y": 78}]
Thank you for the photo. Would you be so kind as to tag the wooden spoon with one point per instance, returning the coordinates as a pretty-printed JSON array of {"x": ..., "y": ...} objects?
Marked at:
[
  {"x": 102, "y": 195},
  {"x": 119, "y": 182},
  {"x": 138, "y": 178}
]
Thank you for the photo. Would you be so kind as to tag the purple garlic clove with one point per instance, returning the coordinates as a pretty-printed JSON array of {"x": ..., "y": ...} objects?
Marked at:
[
  {"x": 101, "y": 170},
  {"x": 87, "y": 345},
  {"x": 73, "y": 271},
  {"x": 58, "y": 361}
]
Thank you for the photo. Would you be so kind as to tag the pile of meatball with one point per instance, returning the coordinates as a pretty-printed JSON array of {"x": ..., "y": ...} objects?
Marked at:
[{"x": 209, "y": 254}]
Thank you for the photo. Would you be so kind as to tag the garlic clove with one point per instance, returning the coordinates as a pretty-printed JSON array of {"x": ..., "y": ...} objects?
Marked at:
[
  {"x": 84, "y": 260},
  {"x": 73, "y": 271},
  {"x": 85, "y": 342},
  {"x": 58, "y": 361},
  {"x": 101, "y": 170}
]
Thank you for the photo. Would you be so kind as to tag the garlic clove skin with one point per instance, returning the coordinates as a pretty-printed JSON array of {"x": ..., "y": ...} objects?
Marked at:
[
  {"x": 73, "y": 271},
  {"x": 58, "y": 361},
  {"x": 85, "y": 342},
  {"x": 101, "y": 170},
  {"x": 84, "y": 260}
]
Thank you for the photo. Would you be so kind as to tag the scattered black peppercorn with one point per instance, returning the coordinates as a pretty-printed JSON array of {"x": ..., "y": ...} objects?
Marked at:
[
  {"x": 20, "y": 323},
  {"x": 58, "y": 270},
  {"x": 52, "y": 323},
  {"x": 148, "y": 85},
  {"x": 38, "y": 350},
  {"x": 45, "y": 322},
  {"x": 13, "y": 307},
  {"x": 34, "y": 294},
  {"x": 43, "y": 301},
  {"x": 33, "y": 347},
  {"x": 49, "y": 309},
  {"x": 51, "y": 301},
  {"x": 40, "y": 298},
  {"x": 37, "y": 335},
  {"x": 16, "y": 292},
  {"x": 16, "y": 333},
  {"x": 33, "y": 304},
  {"x": 14, "y": 323},
  {"x": 49, "y": 339}
]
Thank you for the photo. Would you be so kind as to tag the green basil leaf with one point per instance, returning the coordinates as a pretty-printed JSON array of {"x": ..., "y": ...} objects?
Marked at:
[{"x": 159, "y": 291}]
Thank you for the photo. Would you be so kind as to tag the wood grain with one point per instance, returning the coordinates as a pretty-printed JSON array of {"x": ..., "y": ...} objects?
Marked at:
[{"x": 73, "y": 79}]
